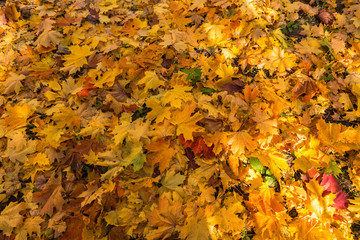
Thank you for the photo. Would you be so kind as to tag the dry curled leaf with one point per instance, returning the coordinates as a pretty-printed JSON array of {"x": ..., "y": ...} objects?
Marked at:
[{"x": 325, "y": 16}]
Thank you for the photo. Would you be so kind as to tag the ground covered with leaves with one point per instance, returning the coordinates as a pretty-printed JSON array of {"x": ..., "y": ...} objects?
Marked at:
[{"x": 193, "y": 119}]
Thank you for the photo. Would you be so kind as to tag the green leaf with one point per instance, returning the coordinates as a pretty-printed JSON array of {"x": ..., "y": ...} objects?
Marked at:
[
  {"x": 256, "y": 165},
  {"x": 271, "y": 180},
  {"x": 207, "y": 91},
  {"x": 333, "y": 169},
  {"x": 187, "y": 71}
]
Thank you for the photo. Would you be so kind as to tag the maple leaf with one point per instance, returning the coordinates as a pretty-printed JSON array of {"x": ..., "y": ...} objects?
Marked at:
[
  {"x": 226, "y": 217},
  {"x": 121, "y": 98},
  {"x": 319, "y": 203},
  {"x": 33, "y": 225},
  {"x": 85, "y": 90},
  {"x": 13, "y": 83},
  {"x": 280, "y": 60},
  {"x": 239, "y": 141},
  {"x": 197, "y": 4},
  {"x": 305, "y": 87},
  {"x": 195, "y": 229},
  {"x": 330, "y": 183},
  {"x": 18, "y": 147},
  {"x": 11, "y": 218},
  {"x": 53, "y": 135},
  {"x": 160, "y": 152},
  {"x": 67, "y": 117},
  {"x": 48, "y": 37},
  {"x": 177, "y": 95},
  {"x": 51, "y": 195},
  {"x": 108, "y": 77},
  {"x": 96, "y": 126},
  {"x": 140, "y": 129},
  {"x": 158, "y": 112},
  {"x": 268, "y": 226},
  {"x": 166, "y": 217},
  {"x": 335, "y": 135},
  {"x": 225, "y": 72},
  {"x": 264, "y": 123},
  {"x": 250, "y": 95},
  {"x": 234, "y": 86},
  {"x": 216, "y": 35},
  {"x": 275, "y": 161},
  {"x": 308, "y": 46},
  {"x": 186, "y": 124},
  {"x": 172, "y": 180},
  {"x": 74, "y": 228},
  {"x": 180, "y": 19},
  {"x": 151, "y": 81},
  {"x": 354, "y": 205},
  {"x": 77, "y": 58},
  {"x": 134, "y": 155},
  {"x": 18, "y": 116},
  {"x": 341, "y": 200}
]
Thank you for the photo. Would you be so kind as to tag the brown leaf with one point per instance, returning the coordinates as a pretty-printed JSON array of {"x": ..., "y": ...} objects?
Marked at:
[
  {"x": 212, "y": 124},
  {"x": 234, "y": 86},
  {"x": 325, "y": 16},
  {"x": 117, "y": 233},
  {"x": 118, "y": 92},
  {"x": 51, "y": 195},
  {"x": 306, "y": 87},
  {"x": 74, "y": 227}
]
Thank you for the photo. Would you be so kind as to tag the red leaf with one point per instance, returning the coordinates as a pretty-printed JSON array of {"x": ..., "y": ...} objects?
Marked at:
[
  {"x": 330, "y": 183},
  {"x": 84, "y": 91},
  {"x": 341, "y": 202},
  {"x": 185, "y": 143},
  {"x": 208, "y": 152},
  {"x": 198, "y": 145}
]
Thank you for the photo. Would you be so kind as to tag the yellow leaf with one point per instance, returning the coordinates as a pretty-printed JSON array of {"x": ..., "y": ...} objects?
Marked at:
[
  {"x": 139, "y": 129},
  {"x": 18, "y": 147},
  {"x": 18, "y": 116},
  {"x": 166, "y": 217},
  {"x": 151, "y": 81},
  {"x": 197, "y": 4},
  {"x": 77, "y": 58},
  {"x": 196, "y": 228},
  {"x": 66, "y": 117},
  {"x": 275, "y": 161},
  {"x": 52, "y": 135},
  {"x": 354, "y": 205},
  {"x": 10, "y": 217},
  {"x": 40, "y": 159},
  {"x": 225, "y": 72},
  {"x": 321, "y": 205},
  {"x": 280, "y": 60},
  {"x": 172, "y": 180},
  {"x": 47, "y": 37},
  {"x": 13, "y": 83},
  {"x": 32, "y": 225},
  {"x": 158, "y": 111},
  {"x": 215, "y": 33},
  {"x": 264, "y": 123},
  {"x": 108, "y": 77},
  {"x": 337, "y": 136},
  {"x": 238, "y": 141},
  {"x": 308, "y": 46},
  {"x": 186, "y": 125},
  {"x": 160, "y": 152},
  {"x": 177, "y": 96}
]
